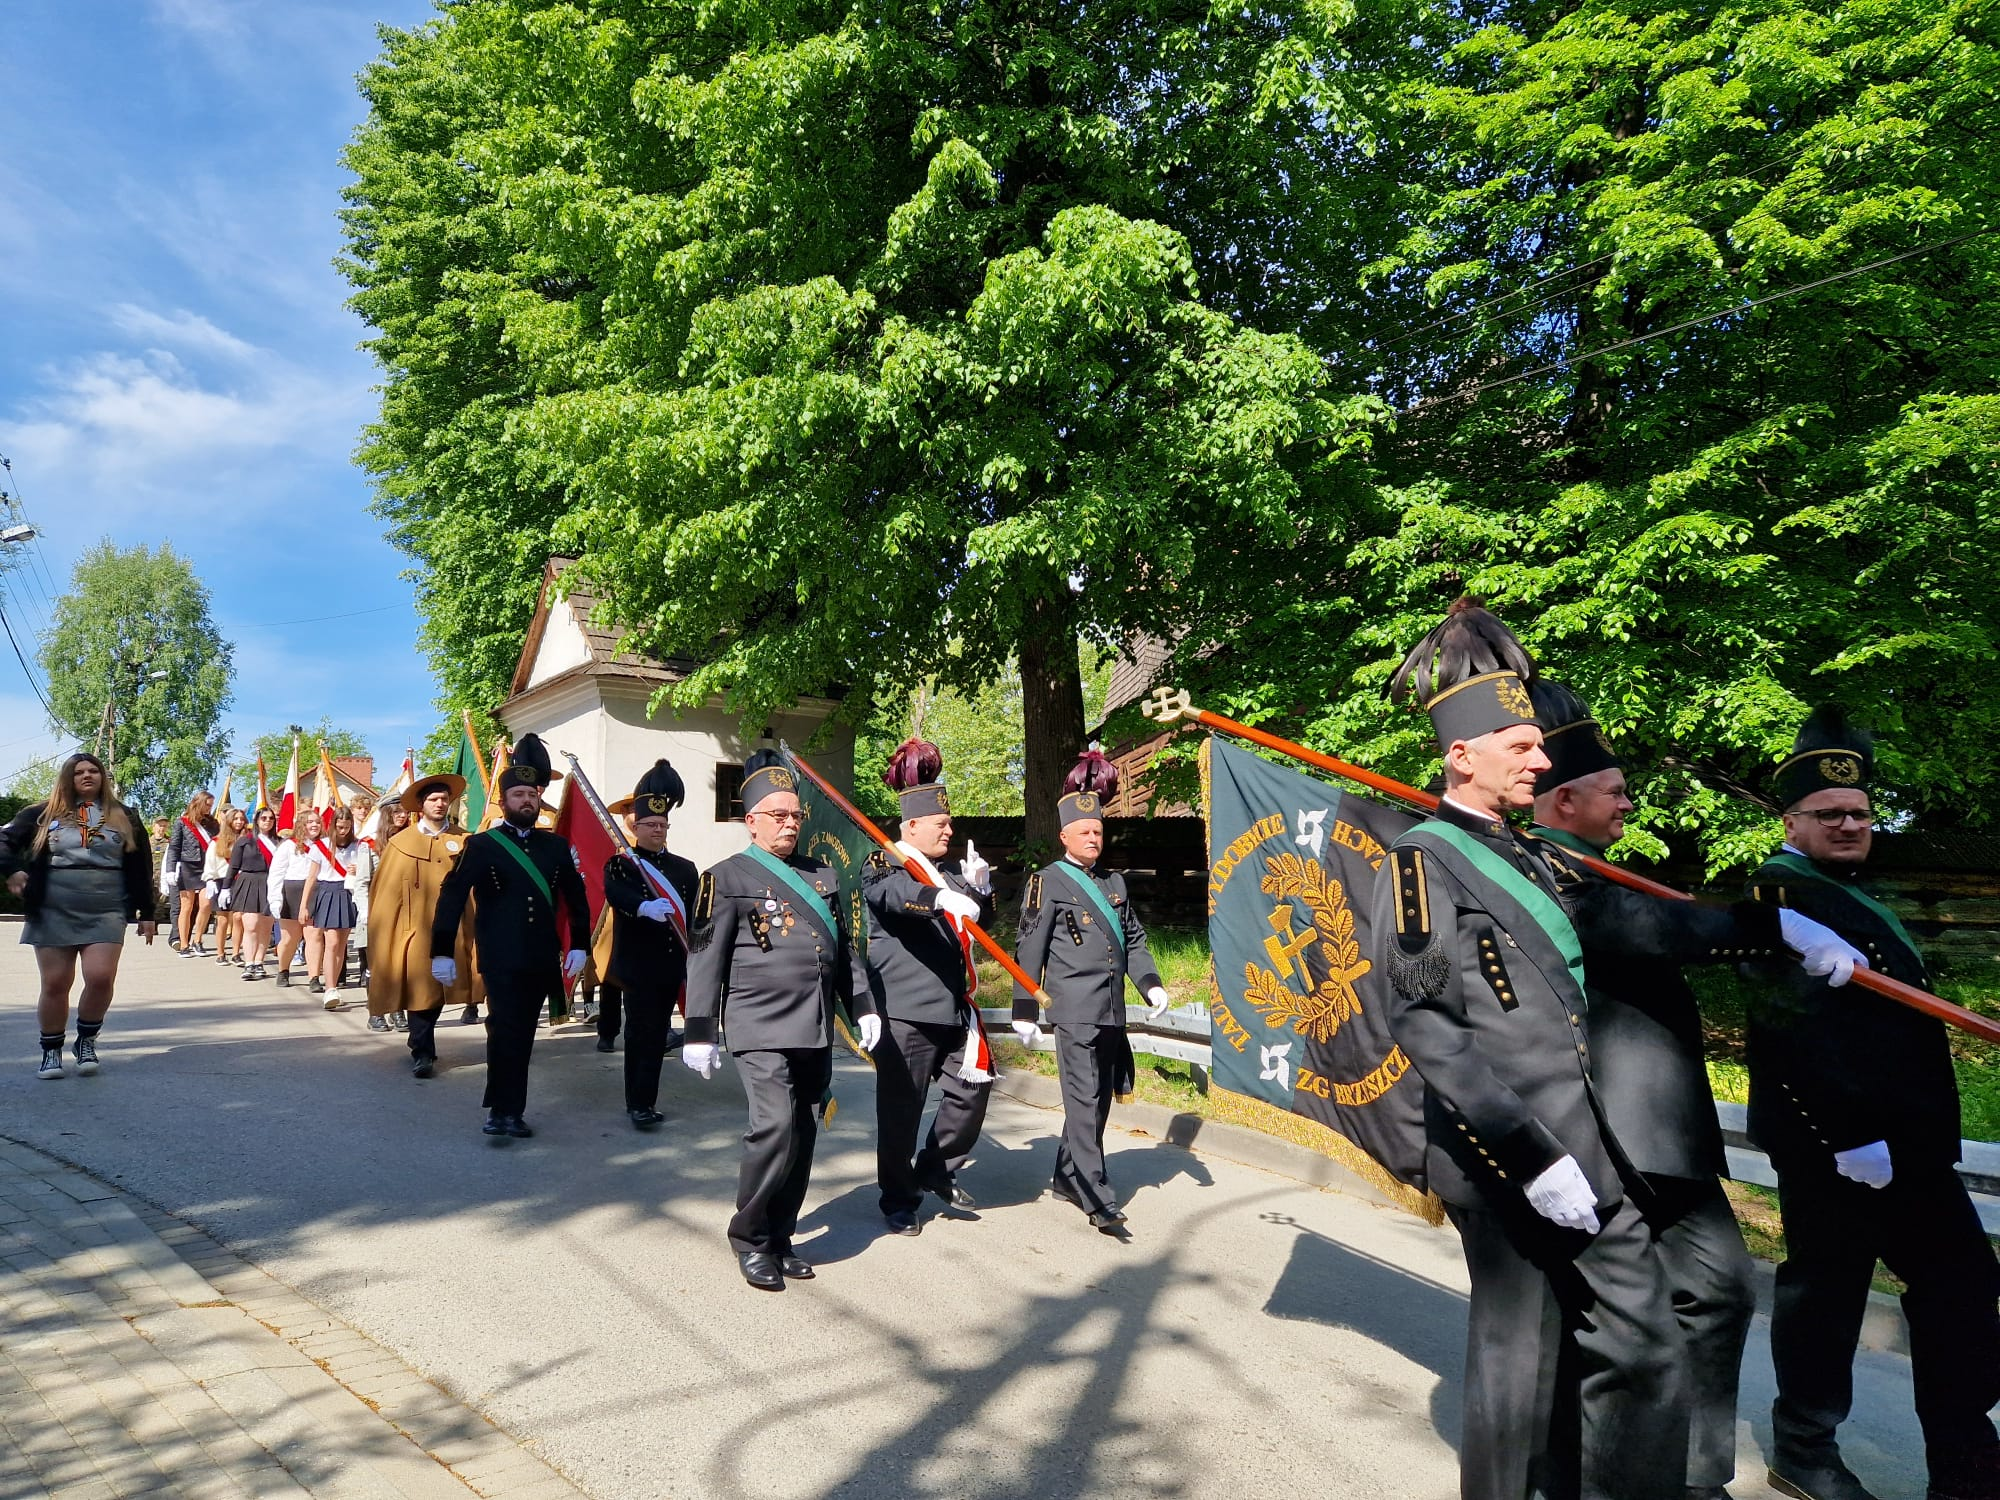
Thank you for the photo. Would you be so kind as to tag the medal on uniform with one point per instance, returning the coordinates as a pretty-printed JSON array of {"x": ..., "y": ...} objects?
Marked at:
[
  {"x": 451, "y": 846},
  {"x": 770, "y": 903}
]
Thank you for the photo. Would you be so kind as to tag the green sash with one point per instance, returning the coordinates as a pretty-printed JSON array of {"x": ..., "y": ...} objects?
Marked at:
[
  {"x": 1799, "y": 865},
  {"x": 506, "y": 841},
  {"x": 1082, "y": 881},
  {"x": 797, "y": 884},
  {"x": 1542, "y": 908}
]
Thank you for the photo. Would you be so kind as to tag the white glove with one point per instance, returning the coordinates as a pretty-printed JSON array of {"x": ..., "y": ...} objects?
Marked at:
[
  {"x": 1823, "y": 953},
  {"x": 445, "y": 971},
  {"x": 1563, "y": 1196},
  {"x": 655, "y": 910},
  {"x": 1157, "y": 1002},
  {"x": 1028, "y": 1032},
  {"x": 953, "y": 904},
  {"x": 169, "y": 877},
  {"x": 978, "y": 874},
  {"x": 701, "y": 1056},
  {"x": 1868, "y": 1165},
  {"x": 222, "y": 902},
  {"x": 208, "y": 889},
  {"x": 573, "y": 965},
  {"x": 870, "y": 1027}
]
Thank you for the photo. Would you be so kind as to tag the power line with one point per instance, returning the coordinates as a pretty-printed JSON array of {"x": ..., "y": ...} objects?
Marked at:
[
  {"x": 23, "y": 660},
  {"x": 320, "y": 619},
  {"x": 1645, "y": 338}
]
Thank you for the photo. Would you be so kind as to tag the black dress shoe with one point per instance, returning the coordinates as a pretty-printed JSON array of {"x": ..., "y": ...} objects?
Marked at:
[
  {"x": 424, "y": 1066},
  {"x": 1834, "y": 1481},
  {"x": 1109, "y": 1223},
  {"x": 950, "y": 1191},
  {"x": 903, "y": 1222},
  {"x": 795, "y": 1269},
  {"x": 469, "y": 1016},
  {"x": 606, "y": 1044},
  {"x": 760, "y": 1268},
  {"x": 644, "y": 1119},
  {"x": 518, "y": 1128},
  {"x": 496, "y": 1125}
]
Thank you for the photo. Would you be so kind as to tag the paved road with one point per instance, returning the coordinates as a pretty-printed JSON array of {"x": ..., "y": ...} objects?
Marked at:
[{"x": 1255, "y": 1335}]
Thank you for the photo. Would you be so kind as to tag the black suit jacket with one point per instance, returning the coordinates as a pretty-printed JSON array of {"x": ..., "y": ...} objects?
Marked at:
[
  {"x": 916, "y": 969},
  {"x": 1645, "y": 1027},
  {"x": 515, "y": 924},
  {"x": 1832, "y": 1069},
  {"x": 646, "y": 955}
]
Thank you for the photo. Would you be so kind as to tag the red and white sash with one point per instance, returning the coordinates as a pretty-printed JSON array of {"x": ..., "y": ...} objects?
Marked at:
[
  {"x": 270, "y": 851},
  {"x": 977, "y": 1064},
  {"x": 201, "y": 835},
  {"x": 338, "y": 868}
]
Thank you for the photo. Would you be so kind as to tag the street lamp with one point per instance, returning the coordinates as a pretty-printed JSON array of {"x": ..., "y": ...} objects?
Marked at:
[{"x": 21, "y": 532}]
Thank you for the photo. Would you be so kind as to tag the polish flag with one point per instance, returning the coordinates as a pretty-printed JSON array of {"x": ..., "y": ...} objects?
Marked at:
[{"x": 288, "y": 805}]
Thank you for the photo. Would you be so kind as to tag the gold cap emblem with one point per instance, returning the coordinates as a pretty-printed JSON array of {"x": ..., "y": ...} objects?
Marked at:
[{"x": 1842, "y": 770}]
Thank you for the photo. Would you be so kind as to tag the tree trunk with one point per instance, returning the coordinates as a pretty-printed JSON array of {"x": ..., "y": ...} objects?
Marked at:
[{"x": 1051, "y": 713}]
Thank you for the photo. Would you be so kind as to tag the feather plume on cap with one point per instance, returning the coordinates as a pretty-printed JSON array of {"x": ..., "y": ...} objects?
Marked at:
[
  {"x": 1092, "y": 773},
  {"x": 761, "y": 760},
  {"x": 913, "y": 763},
  {"x": 527, "y": 764},
  {"x": 662, "y": 780},
  {"x": 1469, "y": 643}
]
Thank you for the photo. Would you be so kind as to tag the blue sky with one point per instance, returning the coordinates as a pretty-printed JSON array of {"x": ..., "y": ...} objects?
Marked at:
[{"x": 177, "y": 361}]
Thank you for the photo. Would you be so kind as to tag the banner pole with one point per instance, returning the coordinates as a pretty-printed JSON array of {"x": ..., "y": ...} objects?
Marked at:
[
  {"x": 620, "y": 843},
  {"x": 1166, "y": 705},
  {"x": 854, "y": 815}
]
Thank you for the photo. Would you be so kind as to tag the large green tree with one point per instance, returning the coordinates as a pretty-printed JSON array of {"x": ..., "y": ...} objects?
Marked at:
[
  {"x": 831, "y": 335},
  {"x": 275, "y": 750},
  {"x": 136, "y": 666},
  {"x": 1690, "y": 317}
]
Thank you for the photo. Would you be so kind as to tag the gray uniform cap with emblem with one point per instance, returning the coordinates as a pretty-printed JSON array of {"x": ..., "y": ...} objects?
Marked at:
[
  {"x": 765, "y": 774},
  {"x": 1092, "y": 782},
  {"x": 1830, "y": 751},
  {"x": 1470, "y": 675},
  {"x": 914, "y": 774}
]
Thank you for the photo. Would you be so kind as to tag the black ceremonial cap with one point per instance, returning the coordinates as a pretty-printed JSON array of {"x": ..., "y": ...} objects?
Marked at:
[
  {"x": 1092, "y": 782},
  {"x": 1829, "y": 752},
  {"x": 913, "y": 774},
  {"x": 527, "y": 765},
  {"x": 1470, "y": 675},
  {"x": 765, "y": 773},
  {"x": 659, "y": 792},
  {"x": 1573, "y": 741}
]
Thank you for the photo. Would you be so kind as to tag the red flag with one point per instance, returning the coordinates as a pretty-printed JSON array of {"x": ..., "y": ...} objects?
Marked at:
[{"x": 593, "y": 846}]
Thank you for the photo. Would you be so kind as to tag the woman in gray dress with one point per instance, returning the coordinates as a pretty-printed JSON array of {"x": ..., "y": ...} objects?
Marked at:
[{"x": 82, "y": 867}]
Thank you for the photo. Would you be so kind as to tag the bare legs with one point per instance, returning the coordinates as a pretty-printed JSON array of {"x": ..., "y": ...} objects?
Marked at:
[{"x": 99, "y": 962}]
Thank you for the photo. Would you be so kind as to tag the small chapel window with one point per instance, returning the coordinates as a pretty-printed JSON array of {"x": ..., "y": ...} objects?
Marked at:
[{"x": 728, "y": 792}]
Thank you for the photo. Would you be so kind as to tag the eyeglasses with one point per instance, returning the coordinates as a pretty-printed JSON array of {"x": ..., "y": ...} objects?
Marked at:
[
  {"x": 1833, "y": 817},
  {"x": 781, "y": 817}
]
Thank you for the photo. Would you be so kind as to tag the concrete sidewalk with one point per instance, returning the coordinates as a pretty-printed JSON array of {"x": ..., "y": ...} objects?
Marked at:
[{"x": 143, "y": 1359}]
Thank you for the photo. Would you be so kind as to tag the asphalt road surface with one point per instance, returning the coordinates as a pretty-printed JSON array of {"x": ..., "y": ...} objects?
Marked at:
[{"x": 1253, "y": 1336}]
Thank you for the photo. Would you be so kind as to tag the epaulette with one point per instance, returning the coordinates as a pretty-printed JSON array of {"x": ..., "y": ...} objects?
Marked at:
[
  {"x": 1768, "y": 895},
  {"x": 879, "y": 860},
  {"x": 1031, "y": 897},
  {"x": 702, "y": 928},
  {"x": 1419, "y": 966}
]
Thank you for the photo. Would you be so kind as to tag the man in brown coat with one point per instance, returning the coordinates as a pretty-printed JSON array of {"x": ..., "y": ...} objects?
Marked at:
[{"x": 402, "y": 901}]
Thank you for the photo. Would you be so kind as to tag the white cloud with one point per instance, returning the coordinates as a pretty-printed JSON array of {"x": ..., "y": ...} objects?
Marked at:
[{"x": 179, "y": 329}]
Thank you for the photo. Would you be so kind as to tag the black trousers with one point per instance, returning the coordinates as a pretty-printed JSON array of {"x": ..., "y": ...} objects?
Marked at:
[
  {"x": 610, "y": 1008},
  {"x": 784, "y": 1087},
  {"x": 1712, "y": 1281},
  {"x": 911, "y": 1056},
  {"x": 1088, "y": 1059},
  {"x": 513, "y": 1010},
  {"x": 1924, "y": 1228},
  {"x": 1575, "y": 1382},
  {"x": 649, "y": 1017},
  {"x": 423, "y": 1031}
]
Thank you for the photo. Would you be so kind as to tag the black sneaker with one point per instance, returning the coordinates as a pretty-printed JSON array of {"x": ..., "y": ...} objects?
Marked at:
[
  {"x": 284, "y": 979},
  {"x": 469, "y": 1016},
  {"x": 378, "y": 1023},
  {"x": 223, "y": 958},
  {"x": 318, "y": 986},
  {"x": 86, "y": 1056},
  {"x": 52, "y": 1063},
  {"x": 189, "y": 952},
  {"x": 423, "y": 1067},
  {"x": 252, "y": 971}
]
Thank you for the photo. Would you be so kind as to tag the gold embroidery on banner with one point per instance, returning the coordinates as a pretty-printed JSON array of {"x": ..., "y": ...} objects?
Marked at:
[{"x": 1330, "y": 1003}]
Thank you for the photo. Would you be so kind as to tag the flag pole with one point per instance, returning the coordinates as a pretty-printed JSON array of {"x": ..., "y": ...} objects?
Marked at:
[
  {"x": 581, "y": 783},
  {"x": 478, "y": 755},
  {"x": 854, "y": 816},
  {"x": 1167, "y": 704}
]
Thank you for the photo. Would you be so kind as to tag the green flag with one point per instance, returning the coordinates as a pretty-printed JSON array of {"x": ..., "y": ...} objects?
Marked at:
[
  {"x": 1299, "y": 1023},
  {"x": 474, "y": 773}
]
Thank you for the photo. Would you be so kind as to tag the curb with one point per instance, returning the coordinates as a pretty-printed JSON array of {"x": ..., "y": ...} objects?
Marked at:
[{"x": 1883, "y": 1330}]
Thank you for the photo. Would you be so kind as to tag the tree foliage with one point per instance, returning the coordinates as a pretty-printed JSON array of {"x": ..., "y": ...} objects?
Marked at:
[
  {"x": 830, "y": 336},
  {"x": 134, "y": 630},
  {"x": 275, "y": 749}
]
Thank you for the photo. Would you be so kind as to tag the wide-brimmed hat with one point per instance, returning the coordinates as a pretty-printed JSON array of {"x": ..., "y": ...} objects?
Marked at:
[{"x": 412, "y": 801}]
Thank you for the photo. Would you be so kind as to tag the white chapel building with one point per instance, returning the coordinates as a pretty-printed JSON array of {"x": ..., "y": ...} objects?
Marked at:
[{"x": 576, "y": 689}]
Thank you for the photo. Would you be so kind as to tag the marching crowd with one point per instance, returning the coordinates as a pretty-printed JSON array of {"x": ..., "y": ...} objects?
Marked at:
[{"x": 1567, "y": 1123}]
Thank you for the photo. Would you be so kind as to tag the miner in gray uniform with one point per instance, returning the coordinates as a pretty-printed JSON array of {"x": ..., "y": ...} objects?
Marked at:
[
  {"x": 772, "y": 956},
  {"x": 1646, "y": 1056},
  {"x": 1080, "y": 939},
  {"x": 1853, "y": 1097},
  {"x": 1486, "y": 999},
  {"x": 920, "y": 970}
]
